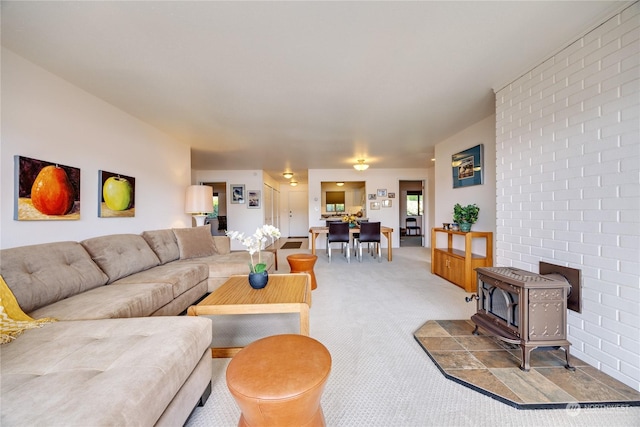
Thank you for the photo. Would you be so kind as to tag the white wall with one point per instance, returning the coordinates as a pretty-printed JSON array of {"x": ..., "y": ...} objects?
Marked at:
[
  {"x": 568, "y": 150},
  {"x": 375, "y": 179},
  {"x": 46, "y": 118},
  {"x": 484, "y": 195}
]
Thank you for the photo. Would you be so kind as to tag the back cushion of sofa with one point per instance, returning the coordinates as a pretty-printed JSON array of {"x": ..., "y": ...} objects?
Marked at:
[
  {"x": 120, "y": 255},
  {"x": 39, "y": 275},
  {"x": 163, "y": 243},
  {"x": 195, "y": 242}
]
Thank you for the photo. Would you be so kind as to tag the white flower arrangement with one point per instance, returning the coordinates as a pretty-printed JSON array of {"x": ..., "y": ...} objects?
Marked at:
[{"x": 256, "y": 243}]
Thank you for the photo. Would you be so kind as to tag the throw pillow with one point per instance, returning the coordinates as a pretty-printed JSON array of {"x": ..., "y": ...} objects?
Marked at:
[
  {"x": 195, "y": 242},
  {"x": 13, "y": 321}
]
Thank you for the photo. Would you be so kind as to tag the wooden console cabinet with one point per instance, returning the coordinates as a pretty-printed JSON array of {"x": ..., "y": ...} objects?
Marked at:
[{"x": 456, "y": 265}]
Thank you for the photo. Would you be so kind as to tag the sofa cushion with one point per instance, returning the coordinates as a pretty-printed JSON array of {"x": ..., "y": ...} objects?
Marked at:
[
  {"x": 181, "y": 277},
  {"x": 114, "y": 372},
  {"x": 195, "y": 242},
  {"x": 163, "y": 243},
  {"x": 110, "y": 301},
  {"x": 39, "y": 275},
  {"x": 120, "y": 255}
]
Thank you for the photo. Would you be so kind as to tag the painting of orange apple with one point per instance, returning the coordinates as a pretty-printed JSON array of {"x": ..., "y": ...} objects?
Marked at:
[
  {"x": 52, "y": 192},
  {"x": 117, "y": 195},
  {"x": 46, "y": 190}
]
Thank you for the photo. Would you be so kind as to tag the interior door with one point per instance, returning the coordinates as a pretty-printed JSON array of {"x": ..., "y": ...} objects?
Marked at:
[{"x": 298, "y": 214}]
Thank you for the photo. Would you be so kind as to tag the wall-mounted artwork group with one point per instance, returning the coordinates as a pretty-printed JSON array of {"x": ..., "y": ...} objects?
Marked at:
[{"x": 50, "y": 191}]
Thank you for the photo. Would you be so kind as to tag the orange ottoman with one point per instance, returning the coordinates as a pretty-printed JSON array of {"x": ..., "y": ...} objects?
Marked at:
[
  {"x": 303, "y": 263},
  {"x": 278, "y": 381}
]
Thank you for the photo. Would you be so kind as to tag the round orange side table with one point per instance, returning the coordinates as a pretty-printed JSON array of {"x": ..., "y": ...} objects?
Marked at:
[
  {"x": 303, "y": 263},
  {"x": 278, "y": 381}
]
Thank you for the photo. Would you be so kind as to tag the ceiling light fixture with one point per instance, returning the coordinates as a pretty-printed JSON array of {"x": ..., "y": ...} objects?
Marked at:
[
  {"x": 361, "y": 165},
  {"x": 293, "y": 183},
  {"x": 287, "y": 175},
  {"x": 339, "y": 184}
]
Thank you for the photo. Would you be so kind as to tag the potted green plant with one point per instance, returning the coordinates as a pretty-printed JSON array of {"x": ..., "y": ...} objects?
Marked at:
[{"x": 464, "y": 216}]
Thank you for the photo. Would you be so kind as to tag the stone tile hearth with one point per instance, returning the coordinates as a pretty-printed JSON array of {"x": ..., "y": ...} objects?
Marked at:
[{"x": 491, "y": 366}]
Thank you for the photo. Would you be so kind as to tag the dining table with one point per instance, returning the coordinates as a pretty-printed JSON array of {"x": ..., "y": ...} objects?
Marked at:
[{"x": 385, "y": 231}]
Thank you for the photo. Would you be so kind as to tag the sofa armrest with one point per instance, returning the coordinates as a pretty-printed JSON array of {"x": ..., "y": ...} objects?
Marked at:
[{"x": 223, "y": 244}]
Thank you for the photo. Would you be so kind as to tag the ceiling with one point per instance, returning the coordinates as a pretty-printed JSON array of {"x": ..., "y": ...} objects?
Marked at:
[{"x": 298, "y": 85}]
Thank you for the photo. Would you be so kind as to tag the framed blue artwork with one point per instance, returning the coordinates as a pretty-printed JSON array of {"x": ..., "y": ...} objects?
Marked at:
[{"x": 467, "y": 167}]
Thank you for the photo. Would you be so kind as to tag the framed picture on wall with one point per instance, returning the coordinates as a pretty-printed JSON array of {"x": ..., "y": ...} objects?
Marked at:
[
  {"x": 386, "y": 203},
  {"x": 372, "y": 196},
  {"x": 237, "y": 193},
  {"x": 374, "y": 206},
  {"x": 116, "y": 195},
  {"x": 467, "y": 167},
  {"x": 392, "y": 195},
  {"x": 382, "y": 192},
  {"x": 45, "y": 190},
  {"x": 254, "y": 199}
]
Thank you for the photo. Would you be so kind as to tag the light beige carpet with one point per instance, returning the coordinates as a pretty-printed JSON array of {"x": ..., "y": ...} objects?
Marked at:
[{"x": 366, "y": 314}]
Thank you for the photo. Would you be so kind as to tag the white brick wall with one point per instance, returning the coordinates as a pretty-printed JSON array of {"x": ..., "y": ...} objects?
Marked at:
[{"x": 568, "y": 184}]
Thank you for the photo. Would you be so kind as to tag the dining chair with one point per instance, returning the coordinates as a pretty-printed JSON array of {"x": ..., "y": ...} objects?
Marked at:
[
  {"x": 412, "y": 224},
  {"x": 355, "y": 236},
  {"x": 370, "y": 233},
  {"x": 339, "y": 233},
  {"x": 328, "y": 222}
]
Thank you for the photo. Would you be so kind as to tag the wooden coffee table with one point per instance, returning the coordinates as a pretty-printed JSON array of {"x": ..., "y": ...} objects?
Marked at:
[{"x": 285, "y": 293}]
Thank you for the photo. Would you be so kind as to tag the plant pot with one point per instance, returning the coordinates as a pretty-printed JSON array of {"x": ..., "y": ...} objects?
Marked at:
[
  {"x": 465, "y": 226},
  {"x": 258, "y": 280}
]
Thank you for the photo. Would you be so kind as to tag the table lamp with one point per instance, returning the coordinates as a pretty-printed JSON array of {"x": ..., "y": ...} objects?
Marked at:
[{"x": 199, "y": 202}]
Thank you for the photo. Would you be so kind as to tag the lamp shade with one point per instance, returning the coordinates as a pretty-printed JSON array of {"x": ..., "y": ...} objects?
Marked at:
[{"x": 199, "y": 199}]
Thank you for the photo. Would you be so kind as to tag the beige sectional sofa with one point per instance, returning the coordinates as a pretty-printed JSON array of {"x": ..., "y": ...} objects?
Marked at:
[{"x": 119, "y": 354}]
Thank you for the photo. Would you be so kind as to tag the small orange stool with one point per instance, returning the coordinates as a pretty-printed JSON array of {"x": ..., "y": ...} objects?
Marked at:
[
  {"x": 303, "y": 263},
  {"x": 278, "y": 381}
]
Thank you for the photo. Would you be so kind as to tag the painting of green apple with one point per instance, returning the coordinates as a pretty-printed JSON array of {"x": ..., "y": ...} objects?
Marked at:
[
  {"x": 117, "y": 195},
  {"x": 45, "y": 190}
]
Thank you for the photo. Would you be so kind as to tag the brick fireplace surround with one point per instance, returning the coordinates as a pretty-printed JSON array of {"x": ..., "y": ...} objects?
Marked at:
[{"x": 567, "y": 138}]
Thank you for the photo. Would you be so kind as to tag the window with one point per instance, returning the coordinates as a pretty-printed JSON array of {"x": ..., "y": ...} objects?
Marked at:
[
  {"x": 215, "y": 206},
  {"x": 214, "y": 214},
  {"x": 335, "y": 207},
  {"x": 414, "y": 203},
  {"x": 335, "y": 201}
]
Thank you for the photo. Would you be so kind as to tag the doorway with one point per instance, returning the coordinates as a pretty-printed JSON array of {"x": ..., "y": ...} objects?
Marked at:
[
  {"x": 411, "y": 213},
  {"x": 298, "y": 205},
  {"x": 218, "y": 217}
]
